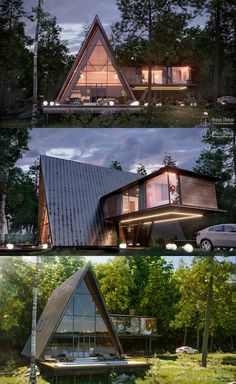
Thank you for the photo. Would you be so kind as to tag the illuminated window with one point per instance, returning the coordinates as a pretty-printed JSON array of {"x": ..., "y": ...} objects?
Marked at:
[
  {"x": 130, "y": 200},
  {"x": 180, "y": 75},
  {"x": 157, "y": 191},
  {"x": 163, "y": 189}
]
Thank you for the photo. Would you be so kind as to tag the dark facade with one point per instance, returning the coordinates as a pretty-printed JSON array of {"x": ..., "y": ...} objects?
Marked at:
[{"x": 85, "y": 205}]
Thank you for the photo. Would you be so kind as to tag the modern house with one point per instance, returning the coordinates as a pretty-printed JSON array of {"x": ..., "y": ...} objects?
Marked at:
[
  {"x": 75, "y": 333},
  {"x": 84, "y": 205},
  {"x": 96, "y": 74}
]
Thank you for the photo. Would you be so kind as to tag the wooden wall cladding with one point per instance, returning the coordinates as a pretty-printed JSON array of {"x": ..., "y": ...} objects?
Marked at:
[{"x": 198, "y": 192}]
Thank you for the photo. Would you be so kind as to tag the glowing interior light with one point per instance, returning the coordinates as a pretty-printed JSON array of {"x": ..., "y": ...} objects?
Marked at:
[
  {"x": 45, "y": 103},
  {"x": 183, "y": 215},
  {"x": 122, "y": 246},
  {"x": 111, "y": 103},
  {"x": 10, "y": 246},
  {"x": 51, "y": 103},
  {"x": 188, "y": 248},
  {"x": 45, "y": 246}
]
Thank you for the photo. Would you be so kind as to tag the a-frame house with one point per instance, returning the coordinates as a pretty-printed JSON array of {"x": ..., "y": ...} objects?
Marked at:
[
  {"x": 95, "y": 73},
  {"x": 75, "y": 322}
]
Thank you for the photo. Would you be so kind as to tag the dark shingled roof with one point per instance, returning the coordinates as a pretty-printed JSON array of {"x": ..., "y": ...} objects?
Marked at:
[
  {"x": 56, "y": 306},
  {"x": 73, "y": 191}
]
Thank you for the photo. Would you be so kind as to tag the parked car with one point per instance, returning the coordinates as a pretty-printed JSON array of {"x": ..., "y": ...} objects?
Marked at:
[
  {"x": 226, "y": 100},
  {"x": 222, "y": 235},
  {"x": 186, "y": 349}
]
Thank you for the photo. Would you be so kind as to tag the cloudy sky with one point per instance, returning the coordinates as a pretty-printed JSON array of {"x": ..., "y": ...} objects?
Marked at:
[
  {"x": 72, "y": 15},
  {"x": 130, "y": 146}
]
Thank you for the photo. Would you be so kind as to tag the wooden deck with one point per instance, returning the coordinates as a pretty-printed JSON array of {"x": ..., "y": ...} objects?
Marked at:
[{"x": 53, "y": 371}]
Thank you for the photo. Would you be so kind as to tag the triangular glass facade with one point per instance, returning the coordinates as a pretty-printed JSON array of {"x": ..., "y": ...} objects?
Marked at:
[{"x": 82, "y": 331}]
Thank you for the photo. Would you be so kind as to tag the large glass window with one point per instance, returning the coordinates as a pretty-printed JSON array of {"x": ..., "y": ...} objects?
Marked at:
[
  {"x": 163, "y": 189},
  {"x": 98, "y": 79},
  {"x": 133, "y": 325},
  {"x": 81, "y": 326},
  {"x": 130, "y": 200},
  {"x": 180, "y": 75},
  {"x": 157, "y": 191}
]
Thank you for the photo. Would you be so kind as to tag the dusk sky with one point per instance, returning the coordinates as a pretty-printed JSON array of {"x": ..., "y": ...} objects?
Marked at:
[
  {"x": 72, "y": 15},
  {"x": 130, "y": 146}
]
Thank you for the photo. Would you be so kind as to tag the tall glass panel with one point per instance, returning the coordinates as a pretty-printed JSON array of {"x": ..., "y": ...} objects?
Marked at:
[
  {"x": 130, "y": 200},
  {"x": 157, "y": 192},
  {"x": 82, "y": 331},
  {"x": 174, "y": 188}
]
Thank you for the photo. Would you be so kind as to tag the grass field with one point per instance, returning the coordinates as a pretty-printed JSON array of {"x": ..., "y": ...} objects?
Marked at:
[{"x": 167, "y": 369}]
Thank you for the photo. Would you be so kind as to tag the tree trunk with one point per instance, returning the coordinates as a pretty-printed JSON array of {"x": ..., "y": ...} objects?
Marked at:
[
  {"x": 149, "y": 95},
  {"x": 234, "y": 150},
  {"x": 34, "y": 117},
  {"x": 3, "y": 218},
  {"x": 198, "y": 338},
  {"x": 216, "y": 57},
  {"x": 211, "y": 345},
  {"x": 33, "y": 376},
  {"x": 207, "y": 322},
  {"x": 185, "y": 335}
]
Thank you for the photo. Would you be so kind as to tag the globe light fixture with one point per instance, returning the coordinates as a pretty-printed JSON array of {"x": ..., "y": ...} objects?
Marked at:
[
  {"x": 51, "y": 103},
  {"x": 45, "y": 246},
  {"x": 188, "y": 248},
  {"x": 45, "y": 103},
  {"x": 122, "y": 246},
  {"x": 10, "y": 246}
]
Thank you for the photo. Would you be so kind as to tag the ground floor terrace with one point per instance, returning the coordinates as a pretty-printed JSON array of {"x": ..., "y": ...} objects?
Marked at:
[{"x": 90, "y": 368}]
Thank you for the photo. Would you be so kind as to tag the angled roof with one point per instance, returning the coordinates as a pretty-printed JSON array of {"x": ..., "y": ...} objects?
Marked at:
[
  {"x": 56, "y": 307},
  {"x": 96, "y": 31},
  {"x": 73, "y": 191}
]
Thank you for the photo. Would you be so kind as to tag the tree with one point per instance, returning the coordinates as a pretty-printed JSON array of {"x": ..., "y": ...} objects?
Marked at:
[
  {"x": 15, "y": 57},
  {"x": 141, "y": 170},
  {"x": 22, "y": 201},
  {"x": 13, "y": 143},
  {"x": 16, "y": 292},
  {"x": 221, "y": 30},
  {"x": 219, "y": 160},
  {"x": 115, "y": 282},
  {"x": 168, "y": 160},
  {"x": 53, "y": 59},
  {"x": 35, "y": 66},
  {"x": 140, "y": 26},
  {"x": 193, "y": 284},
  {"x": 116, "y": 165}
]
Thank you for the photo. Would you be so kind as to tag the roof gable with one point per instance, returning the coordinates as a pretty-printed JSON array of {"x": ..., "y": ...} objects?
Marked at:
[
  {"x": 59, "y": 305},
  {"x": 73, "y": 191},
  {"x": 95, "y": 37}
]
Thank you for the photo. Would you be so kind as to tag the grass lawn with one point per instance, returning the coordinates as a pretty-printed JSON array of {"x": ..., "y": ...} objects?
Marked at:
[{"x": 168, "y": 369}]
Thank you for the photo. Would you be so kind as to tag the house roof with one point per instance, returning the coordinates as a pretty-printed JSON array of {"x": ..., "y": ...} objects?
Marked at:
[
  {"x": 96, "y": 28},
  {"x": 56, "y": 307},
  {"x": 73, "y": 191},
  {"x": 178, "y": 171}
]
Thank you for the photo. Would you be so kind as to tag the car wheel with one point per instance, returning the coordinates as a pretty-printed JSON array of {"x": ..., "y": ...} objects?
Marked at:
[{"x": 206, "y": 245}]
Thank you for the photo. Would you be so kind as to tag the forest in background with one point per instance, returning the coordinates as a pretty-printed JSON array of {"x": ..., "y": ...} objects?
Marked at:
[
  {"x": 148, "y": 285},
  {"x": 149, "y": 32}
]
